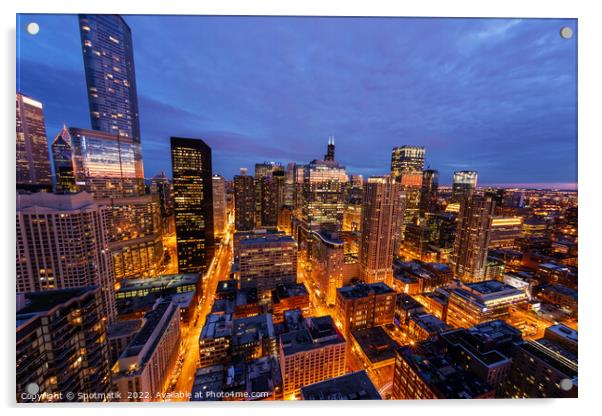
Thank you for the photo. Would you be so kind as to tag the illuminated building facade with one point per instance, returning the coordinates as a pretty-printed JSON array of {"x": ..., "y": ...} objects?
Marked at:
[
  {"x": 215, "y": 340},
  {"x": 505, "y": 231},
  {"x": 428, "y": 191},
  {"x": 314, "y": 352},
  {"x": 61, "y": 344},
  {"x": 193, "y": 203},
  {"x": 382, "y": 216},
  {"x": 32, "y": 161},
  {"x": 364, "y": 306},
  {"x": 475, "y": 303},
  {"x": 219, "y": 205},
  {"x": 267, "y": 261},
  {"x": 63, "y": 159},
  {"x": 473, "y": 233},
  {"x": 328, "y": 262},
  {"x": 147, "y": 362},
  {"x": 111, "y": 81},
  {"x": 63, "y": 242},
  {"x": 136, "y": 237},
  {"x": 407, "y": 163},
  {"x": 465, "y": 183},
  {"x": 244, "y": 202}
]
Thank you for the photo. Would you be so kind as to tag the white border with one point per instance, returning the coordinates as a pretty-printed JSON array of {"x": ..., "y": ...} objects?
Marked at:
[{"x": 590, "y": 108}]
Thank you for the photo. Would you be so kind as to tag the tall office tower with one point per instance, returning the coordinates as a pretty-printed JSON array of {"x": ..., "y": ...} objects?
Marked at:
[
  {"x": 428, "y": 192},
  {"x": 219, "y": 205},
  {"x": 289, "y": 186},
  {"x": 315, "y": 351},
  {"x": 473, "y": 232},
  {"x": 465, "y": 183},
  {"x": 324, "y": 184},
  {"x": 298, "y": 177},
  {"x": 407, "y": 163},
  {"x": 61, "y": 345},
  {"x": 266, "y": 194},
  {"x": 382, "y": 217},
  {"x": 64, "y": 162},
  {"x": 63, "y": 242},
  {"x": 102, "y": 164},
  {"x": 267, "y": 261},
  {"x": 136, "y": 235},
  {"x": 193, "y": 203},
  {"x": 244, "y": 202},
  {"x": 111, "y": 80},
  {"x": 161, "y": 185},
  {"x": 329, "y": 156},
  {"x": 33, "y": 163},
  {"x": 355, "y": 190}
]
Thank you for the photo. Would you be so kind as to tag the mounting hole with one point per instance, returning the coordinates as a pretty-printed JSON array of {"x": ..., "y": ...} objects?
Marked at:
[
  {"x": 33, "y": 28},
  {"x": 566, "y": 32},
  {"x": 566, "y": 384}
]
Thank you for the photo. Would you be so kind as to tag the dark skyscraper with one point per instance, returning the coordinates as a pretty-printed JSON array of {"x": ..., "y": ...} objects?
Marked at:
[
  {"x": 63, "y": 159},
  {"x": 330, "y": 150},
  {"x": 428, "y": 192},
  {"x": 33, "y": 163},
  {"x": 266, "y": 192},
  {"x": 111, "y": 80},
  {"x": 469, "y": 256},
  {"x": 193, "y": 199},
  {"x": 244, "y": 202}
]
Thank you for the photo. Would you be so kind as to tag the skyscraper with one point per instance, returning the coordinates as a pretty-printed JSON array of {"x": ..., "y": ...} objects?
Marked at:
[
  {"x": 469, "y": 256},
  {"x": 382, "y": 217},
  {"x": 63, "y": 242},
  {"x": 266, "y": 193},
  {"x": 244, "y": 202},
  {"x": 465, "y": 183},
  {"x": 193, "y": 201},
  {"x": 428, "y": 192},
  {"x": 32, "y": 162},
  {"x": 324, "y": 194},
  {"x": 64, "y": 162},
  {"x": 219, "y": 205},
  {"x": 407, "y": 163},
  {"x": 111, "y": 80},
  {"x": 102, "y": 164}
]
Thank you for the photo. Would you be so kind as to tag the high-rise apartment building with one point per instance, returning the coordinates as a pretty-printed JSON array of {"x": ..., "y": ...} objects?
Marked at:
[
  {"x": 269, "y": 187},
  {"x": 193, "y": 203},
  {"x": 267, "y": 261},
  {"x": 313, "y": 352},
  {"x": 219, "y": 205},
  {"x": 382, "y": 217},
  {"x": 244, "y": 202},
  {"x": 327, "y": 264},
  {"x": 407, "y": 163},
  {"x": 473, "y": 233},
  {"x": 32, "y": 161},
  {"x": 61, "y": 345},
  {"x": 63, "y": 242},
  {"x": 111, "y": 81}
]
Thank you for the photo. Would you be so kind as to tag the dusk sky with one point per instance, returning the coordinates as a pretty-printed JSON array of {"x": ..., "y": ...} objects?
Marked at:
[{"x": 494, "y": 95}]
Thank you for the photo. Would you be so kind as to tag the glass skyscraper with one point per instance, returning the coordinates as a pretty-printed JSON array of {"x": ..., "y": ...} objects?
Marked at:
[
  {"x": 111, "y": 80},
  {"x": 32, "y": 162},
  {"x": 193, "y": 202}
]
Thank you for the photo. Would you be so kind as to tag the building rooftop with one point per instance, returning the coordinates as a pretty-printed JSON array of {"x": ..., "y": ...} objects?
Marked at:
[
  {"x": 37, "y": 302},
  {"x": 406, "y": 302},
  {"x": 217, "y": 326},
  {"x": 429, "y": 323},
  {"x": 376, "y": 345},
  {"x": 266, "y": 239},
  {"x": 351, "y": 386},
  {"x": 362, "y": 290},
  {"x": 288, "y": 291},
  {"x": 208, "y": 379},
  {"x": 123, "y": 328},
  {"x": 162, "y": 282},
  {"x": 315, "y": 333},
  {"x": 444, "y": 377},
  {"x": 252, "y": 329}
]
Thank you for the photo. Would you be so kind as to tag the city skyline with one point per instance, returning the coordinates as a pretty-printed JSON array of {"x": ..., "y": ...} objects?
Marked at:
[{"x": 436, "y": 106}]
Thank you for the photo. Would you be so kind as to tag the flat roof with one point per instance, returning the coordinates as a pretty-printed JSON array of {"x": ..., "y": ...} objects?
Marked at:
[
  {"x": 163, "y": 281},
  {"x": 375, "y": 343},
  {"x": 314, "y": 333},
  {"x": 351, "y": 386},
  {"x": 362, "y": 290}
]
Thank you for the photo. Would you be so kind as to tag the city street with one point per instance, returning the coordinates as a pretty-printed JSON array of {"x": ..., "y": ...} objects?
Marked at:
[{"x": 219, "y": 270}]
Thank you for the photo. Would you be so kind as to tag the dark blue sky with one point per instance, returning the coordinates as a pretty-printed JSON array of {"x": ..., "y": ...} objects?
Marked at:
[{"x": 494, "y": 95}]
